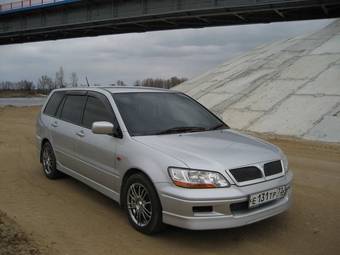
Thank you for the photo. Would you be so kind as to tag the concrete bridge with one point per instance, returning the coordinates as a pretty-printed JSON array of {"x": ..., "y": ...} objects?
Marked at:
[{"x": 40, "y": 20}]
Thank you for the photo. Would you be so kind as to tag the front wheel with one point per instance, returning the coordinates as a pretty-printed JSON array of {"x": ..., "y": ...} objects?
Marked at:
[{"x": 142, "y": 204}]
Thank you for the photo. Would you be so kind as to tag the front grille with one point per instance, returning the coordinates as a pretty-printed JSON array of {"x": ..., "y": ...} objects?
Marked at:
[
  {"x": 239, "y": 207},
  {"x": 272, "y": 168},
  {"x": 242, "y": 207},
  {"x": 246, "y": 173}
]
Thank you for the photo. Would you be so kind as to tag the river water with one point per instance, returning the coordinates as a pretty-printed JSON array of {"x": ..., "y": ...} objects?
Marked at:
[{"x": 22, "y": 101}]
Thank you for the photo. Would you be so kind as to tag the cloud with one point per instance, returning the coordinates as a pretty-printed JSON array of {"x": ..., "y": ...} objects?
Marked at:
[{"x": 129, "y": 57}]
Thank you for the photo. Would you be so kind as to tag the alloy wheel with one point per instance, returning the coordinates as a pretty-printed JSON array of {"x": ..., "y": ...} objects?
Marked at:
[
  {"x": 139, "y": 204},
  {"x": 47, "y": 160}
]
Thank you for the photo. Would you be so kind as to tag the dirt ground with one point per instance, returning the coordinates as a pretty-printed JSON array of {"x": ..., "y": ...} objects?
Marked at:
[
  {"x": 67, "y": 217},
  {"x": 13, "y": 241}
]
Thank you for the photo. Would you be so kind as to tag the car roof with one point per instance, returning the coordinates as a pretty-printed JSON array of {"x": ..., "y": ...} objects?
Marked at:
[{"x": 120, "y": 89}]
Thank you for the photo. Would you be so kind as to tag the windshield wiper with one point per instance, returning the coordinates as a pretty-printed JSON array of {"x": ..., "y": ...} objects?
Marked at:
[
  {"x": 181, "y": 130},
  {"x": 221, "y": 125}
]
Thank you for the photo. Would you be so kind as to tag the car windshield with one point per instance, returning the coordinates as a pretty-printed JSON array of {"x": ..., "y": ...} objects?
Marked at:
[{"x": 157, "y": 113}]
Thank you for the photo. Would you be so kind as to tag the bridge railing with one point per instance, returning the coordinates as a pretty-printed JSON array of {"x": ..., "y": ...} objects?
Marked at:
[{"x": 17, "y": 5}]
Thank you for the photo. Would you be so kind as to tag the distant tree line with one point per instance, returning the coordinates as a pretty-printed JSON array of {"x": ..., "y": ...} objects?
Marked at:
[
  {"x": 45, "y": 83},
  {"x": 20, "y": 85},
  {"x": 160, "y": 83}
]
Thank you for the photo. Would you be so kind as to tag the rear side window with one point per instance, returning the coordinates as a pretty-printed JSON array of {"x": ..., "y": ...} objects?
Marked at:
[
  {"x": 73, "y": 109},
  {"x": 95, "y": 110},
  {"x": 52, "y": 105}
]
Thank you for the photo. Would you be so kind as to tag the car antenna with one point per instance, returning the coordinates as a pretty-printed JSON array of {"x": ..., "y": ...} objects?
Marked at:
[{"x": 87, "y": 82}]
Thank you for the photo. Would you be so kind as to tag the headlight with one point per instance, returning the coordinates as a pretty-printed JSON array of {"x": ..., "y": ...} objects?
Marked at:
[{"x": 197, "y": 179}]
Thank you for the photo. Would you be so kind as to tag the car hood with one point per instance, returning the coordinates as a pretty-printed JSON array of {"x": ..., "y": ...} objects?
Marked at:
[{"x": 213, "y": 150}]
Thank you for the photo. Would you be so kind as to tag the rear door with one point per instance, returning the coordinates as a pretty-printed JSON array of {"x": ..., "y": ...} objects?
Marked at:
[
  {"x": 65, "y": 126},
  {"x": 96, "y": 152},
  {"x": 49, "y": 114}
]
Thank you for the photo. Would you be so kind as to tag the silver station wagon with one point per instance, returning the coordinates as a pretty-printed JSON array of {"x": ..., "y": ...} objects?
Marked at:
[{"x": 163, "y": 156}]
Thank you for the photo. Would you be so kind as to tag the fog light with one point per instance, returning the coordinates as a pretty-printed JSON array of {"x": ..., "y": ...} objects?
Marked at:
[{"x": 202, "y": 209}]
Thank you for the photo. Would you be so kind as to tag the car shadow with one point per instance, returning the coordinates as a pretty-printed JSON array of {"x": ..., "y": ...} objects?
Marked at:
[{"x": 236, "y": 234}]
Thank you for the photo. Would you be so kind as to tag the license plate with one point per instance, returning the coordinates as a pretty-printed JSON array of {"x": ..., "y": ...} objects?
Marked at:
[{"x": 266, "y": 196}]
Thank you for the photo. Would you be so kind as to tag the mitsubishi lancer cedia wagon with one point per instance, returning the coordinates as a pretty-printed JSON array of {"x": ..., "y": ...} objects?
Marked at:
[{"x": 163, "y": 156}]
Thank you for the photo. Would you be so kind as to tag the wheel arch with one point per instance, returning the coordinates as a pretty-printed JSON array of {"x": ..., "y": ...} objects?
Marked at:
[{"x": 129, "y": 173}]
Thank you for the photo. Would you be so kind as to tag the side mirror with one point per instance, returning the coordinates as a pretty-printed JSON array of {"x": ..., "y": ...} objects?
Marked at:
[{"x": 102, "y": 127}]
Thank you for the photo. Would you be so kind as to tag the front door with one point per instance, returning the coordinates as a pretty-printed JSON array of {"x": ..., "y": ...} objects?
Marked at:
[{"x": 97, "y": 152}]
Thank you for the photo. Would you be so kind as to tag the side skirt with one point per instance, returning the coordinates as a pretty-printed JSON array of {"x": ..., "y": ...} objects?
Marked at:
[{"x": 102, "y": 189}]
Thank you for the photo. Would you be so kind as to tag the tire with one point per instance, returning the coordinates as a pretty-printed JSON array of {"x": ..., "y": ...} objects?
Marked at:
[
  {"x": 142, "y": 204},
  {"x": 49, "y": 162}
]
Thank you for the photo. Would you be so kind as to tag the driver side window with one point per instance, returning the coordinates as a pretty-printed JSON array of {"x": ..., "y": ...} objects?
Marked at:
[{"x": 95, "y": 110}]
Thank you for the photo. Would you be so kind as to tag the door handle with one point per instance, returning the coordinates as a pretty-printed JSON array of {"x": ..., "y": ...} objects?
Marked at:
[
  {"x": 80, "y": 133},
  {"x": 54, "y": 124}
]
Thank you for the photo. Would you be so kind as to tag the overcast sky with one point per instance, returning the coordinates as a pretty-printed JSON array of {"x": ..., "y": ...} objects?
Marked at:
[{"x": 128, "y": 57}]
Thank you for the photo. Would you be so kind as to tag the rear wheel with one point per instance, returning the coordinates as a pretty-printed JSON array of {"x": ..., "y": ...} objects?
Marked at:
[
  {"x": 49, "y": 162},
  {"x": 142, "y": 204}
]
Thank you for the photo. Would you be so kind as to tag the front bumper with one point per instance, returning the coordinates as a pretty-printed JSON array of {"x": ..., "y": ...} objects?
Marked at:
[{"x": 178, "y": 204}]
